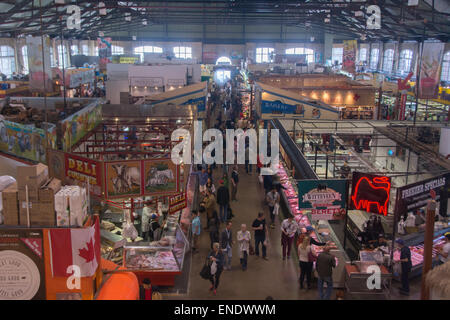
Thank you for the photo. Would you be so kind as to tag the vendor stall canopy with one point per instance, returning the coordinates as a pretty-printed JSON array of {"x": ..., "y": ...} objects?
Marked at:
[{"x": 321, "y": 16}]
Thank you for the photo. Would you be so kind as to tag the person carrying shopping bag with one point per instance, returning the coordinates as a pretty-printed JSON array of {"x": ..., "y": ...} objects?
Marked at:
[{"x": 216, "y": 264}]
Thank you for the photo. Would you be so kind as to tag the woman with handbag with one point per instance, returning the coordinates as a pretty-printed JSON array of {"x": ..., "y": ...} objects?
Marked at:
[
  {"x": 216, "y": 262},
  {"x": 306, "y": 256}
]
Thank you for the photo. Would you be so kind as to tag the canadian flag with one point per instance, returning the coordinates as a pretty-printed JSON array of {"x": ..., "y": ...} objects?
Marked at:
[{"x": 79, "y": 247}]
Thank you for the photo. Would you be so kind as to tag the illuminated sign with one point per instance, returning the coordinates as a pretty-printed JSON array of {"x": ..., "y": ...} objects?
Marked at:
[{"x": 370, "y": 193}]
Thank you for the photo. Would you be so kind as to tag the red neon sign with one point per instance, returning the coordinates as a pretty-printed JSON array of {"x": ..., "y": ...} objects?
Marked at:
[{"x": 371, "y": 194}]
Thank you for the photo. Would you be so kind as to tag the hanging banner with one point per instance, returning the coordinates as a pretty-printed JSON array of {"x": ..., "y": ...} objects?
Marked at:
[
  {"x": 104, "y": 52},
  {"x": 123, "y": 179},
  {"x": 430, "y": 70},
  {"x": 349, "y": 56},
  {"x": 416, "y": 195},
  {"x": 39, "y": 64},
  {"x": 80, "y": 170},
  {"x": 22, "y": 268},
  {"x": 370, "y": 193},
  {"x": 325, "y": 198}
]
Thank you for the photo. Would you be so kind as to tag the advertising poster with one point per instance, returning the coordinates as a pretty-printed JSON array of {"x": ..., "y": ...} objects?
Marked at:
[
  {"x": 416, "y": 195},
  {"x": 199, "y": 102},
  {"x": 161, "y": 177},
  {"x": 79, "y": 124},
  {"x": 370, "y": 193},
  {"x": 278, "y": 107},
  {"x": 22, "y": 268},
  {"x": 430, "y": 70},
  {"x": 349, "y": 57},
  {"x": 39, "y": 64},
  {"x": 80, "y": 170},
  {"x": 123, "y": 179},
  {"x": 104, "y": 52},
  {"x": 325, "y": 198},
  {"x": 25, "y": 141}
]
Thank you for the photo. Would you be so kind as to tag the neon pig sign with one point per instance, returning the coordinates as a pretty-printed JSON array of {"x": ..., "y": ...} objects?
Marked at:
[{"x": 370, "y": 193}]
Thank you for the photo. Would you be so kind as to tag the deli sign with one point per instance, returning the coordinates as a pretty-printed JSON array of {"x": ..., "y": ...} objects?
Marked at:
[{"x": 83, "y": 170}]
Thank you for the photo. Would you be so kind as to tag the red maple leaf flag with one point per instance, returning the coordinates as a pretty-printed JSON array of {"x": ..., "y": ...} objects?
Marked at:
[
  {"x": 77, "y": 246},
  {"x": 88, "y": 254}
]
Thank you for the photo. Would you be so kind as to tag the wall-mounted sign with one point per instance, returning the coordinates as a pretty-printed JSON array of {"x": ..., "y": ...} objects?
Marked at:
[
  {"x": 22, "y": 269},
  {"x": 83, "y": 170},
  {"x": 370, "y": 193},
  {"x": 175, "y": 82},
  {"x": 199, "y": 102},
  {"x": 146, "y": 82},
  {"x": 177, "y": 202},
  {"x": 416, "y": 195},
  {"x": 325, "y": 198},
  {"x": 279, "y": 107}
]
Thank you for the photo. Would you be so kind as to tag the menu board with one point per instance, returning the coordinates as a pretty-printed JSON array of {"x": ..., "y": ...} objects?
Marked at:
[{"x": 22, "y": 270}]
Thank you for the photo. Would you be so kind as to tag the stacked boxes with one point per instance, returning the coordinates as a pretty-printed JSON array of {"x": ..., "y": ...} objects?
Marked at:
[
  {"x": 46, "y": 214},
  {"x": 10, "y": 202},
  {"x": 71, "y": 206}
]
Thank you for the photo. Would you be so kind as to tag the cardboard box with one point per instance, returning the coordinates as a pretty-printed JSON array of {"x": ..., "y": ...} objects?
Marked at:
[
  {"x": 45, "y": 216},
  {"x": 34, "y": 210},
  {"x": 32, "y": 176},
  {"x": 48, "y": 190},
  {"x": 33, "y": 195},
  {"x": 10, "y": 205}
]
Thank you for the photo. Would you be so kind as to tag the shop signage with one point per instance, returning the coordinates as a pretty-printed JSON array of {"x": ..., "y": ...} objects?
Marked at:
[
  {"x": 177, "y": 202},
  {"x": 279, "y": 107},
  {"x": 199, "y": 102},
  {"x": 83, "y": 170},
  {"x": 325, "y": 198},
  {"x": 22, "y": 268},
  {"x": 146, "y": 82},
  {"x": 430, "y": 67},
  {"x": 370, "y": 193},
  {"x": 417, "y": 195}
]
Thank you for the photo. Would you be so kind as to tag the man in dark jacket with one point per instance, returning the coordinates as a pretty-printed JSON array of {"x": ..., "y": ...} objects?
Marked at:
[
  {"x": 405, "y": 260},
  {"x": 234, "y": 183},
  {"x": 324, "y": 266},
  {"x": 223, "y": 199},
  {"x": 145, "y": 290},
  {"x": 226, "y": 242}
]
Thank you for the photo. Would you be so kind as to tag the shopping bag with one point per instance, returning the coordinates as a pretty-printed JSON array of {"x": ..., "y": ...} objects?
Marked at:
[
  {"x": 213, "y": 268},
  {"x": 261, "y": 179},
  {"x": 205, "y": 273},
  {"x": 311, "y": 257},
  {"x": 156, "y": 296},
  {"x": 276, "y": 209},
  {"x": 251, "y": 250}
]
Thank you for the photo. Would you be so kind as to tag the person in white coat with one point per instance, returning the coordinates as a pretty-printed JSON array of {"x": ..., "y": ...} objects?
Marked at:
[
  {"x": 243, "y": 238},
  {"x": 145, "y": 222}
]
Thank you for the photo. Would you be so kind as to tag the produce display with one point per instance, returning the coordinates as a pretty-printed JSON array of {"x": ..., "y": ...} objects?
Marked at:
[
  {"x": 417, "y": 251},
  {"x": 150, "y": 259}
]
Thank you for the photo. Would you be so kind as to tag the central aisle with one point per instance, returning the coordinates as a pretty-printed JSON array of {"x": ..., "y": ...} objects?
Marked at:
[{"x": 274, "y": 277}]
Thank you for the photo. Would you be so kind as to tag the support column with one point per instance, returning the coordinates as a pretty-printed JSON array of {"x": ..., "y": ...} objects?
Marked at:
[{"x": 327, "y": 47}]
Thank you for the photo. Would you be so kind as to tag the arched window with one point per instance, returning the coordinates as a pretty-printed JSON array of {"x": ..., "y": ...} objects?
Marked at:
[
  {"x": 117, "y": 50},
  {"x": 388, "y": 60},
  {"x": 74, "y": 49},
  {"x": 374, "y": 57},
  {"x": 309, "y": 53},
  {"x": 183, "y": 52},
  {"x": 52, "y": 58},
  {"x": 404, "y": 64},
  {"x": 445, "y": 74},
  {"x": 25, "y": 59},
  {"x": 264, "y": 55},
  {"x": 363, "y": 55},
  {"x": 62, "y": 57},
  {"x": 96, "y": 51},
  {"x": 7, "y": 61},
  {"x": 85, "y": 49},
  {"x": 147, "y": 49},
  {"x": 223, "y": 61}
]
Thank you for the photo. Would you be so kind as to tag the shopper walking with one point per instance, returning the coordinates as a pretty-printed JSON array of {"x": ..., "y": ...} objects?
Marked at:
[
  {"x": 273, "y": 199},
  {"x": 243, "y": 238},
  {"x": 216, "y": 260},
  {"x": 223, "y": 199},
  {"x": 226, "y": 244},
  {"x": 234, "y": 183},
  {"x": 214, "y": 229},
  {"x": 288, "y": 230},
  {"x": 260, "y": 228},
  {"x": 306, "y": 257},
  {"x": 203, "y": 179},
  {"x": 324, "y": 265},
  {"x": 196, "y": 229},
  {"x": 210, "y": 206},
  {"x": 406, "y": 265},
  {"x": 210, "y": 186}
]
